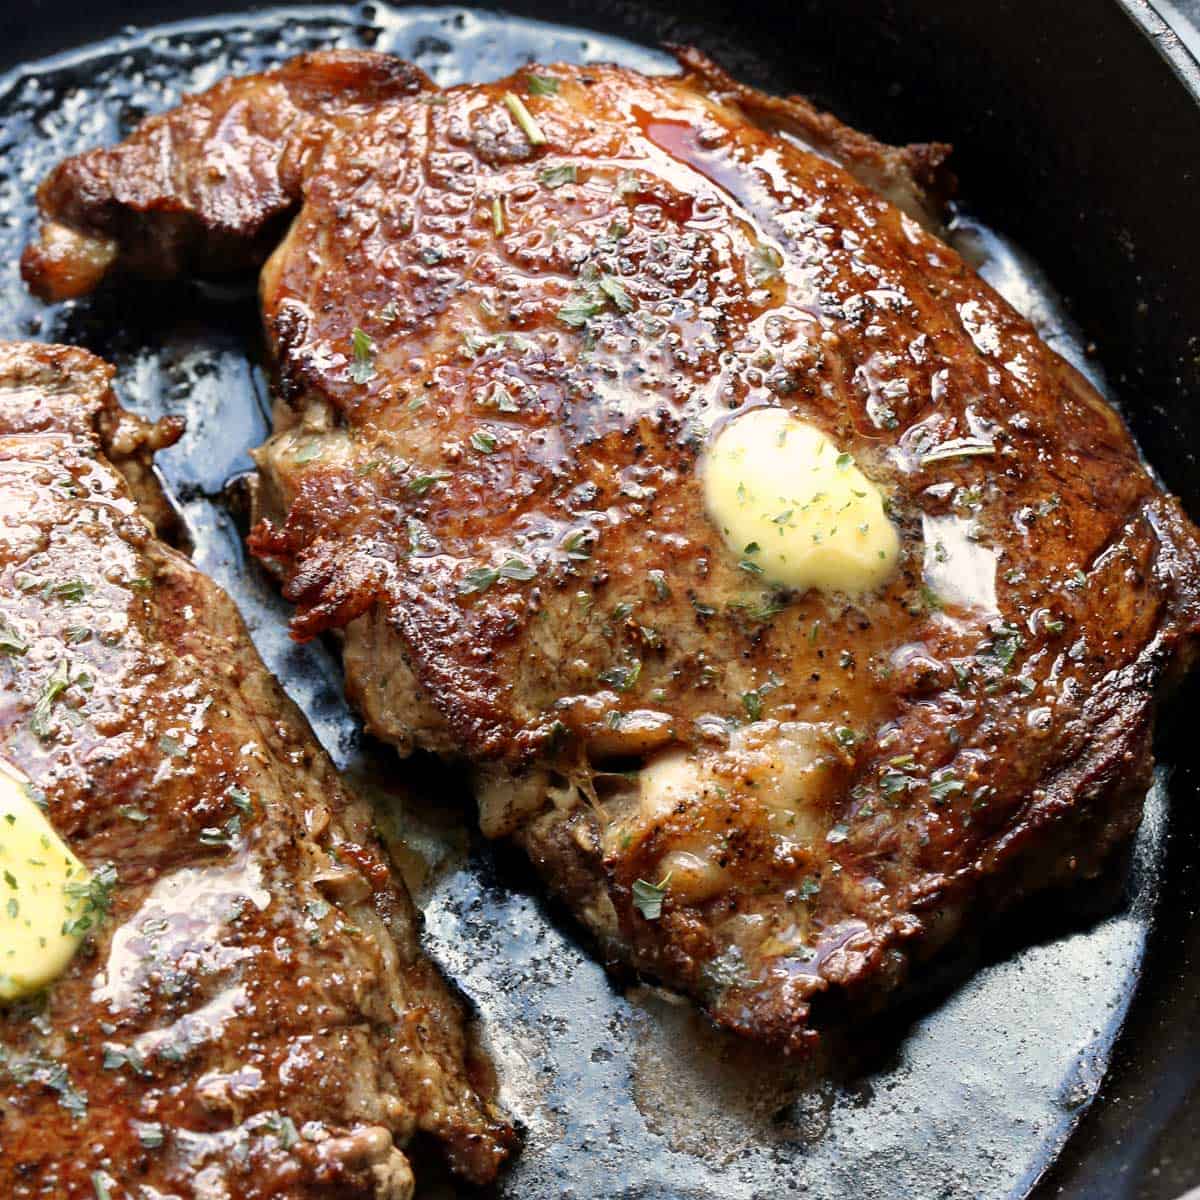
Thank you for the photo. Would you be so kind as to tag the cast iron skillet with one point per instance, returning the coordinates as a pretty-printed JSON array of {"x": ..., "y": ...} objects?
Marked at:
[{"x": 1077, "y": 132}]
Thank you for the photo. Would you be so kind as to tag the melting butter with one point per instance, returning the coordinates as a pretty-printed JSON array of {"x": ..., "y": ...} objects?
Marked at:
[
  {"x": 794, "y": 508},
  {"x": 40, "y": 900}
]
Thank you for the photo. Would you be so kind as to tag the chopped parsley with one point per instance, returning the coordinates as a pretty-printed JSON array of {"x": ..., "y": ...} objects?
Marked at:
[
  {"x": 556, "y": 177},
  {"x": 943, "y": 786},
  {"x": 765, "y": 263},
  {"x": 479, "y": 579},
  {"x": 622, "y": 677},
  {"x": 529, "y": 127},
  {"x": 43, "y": 710},
  {"x": 517, "y": 569},
  {"x": 648, "y": 897},
  {"x": 1006, "y": 641},
  {"x": 581, "y": 308},
  {"x": 362, "y": 356},
  {"x": 611, "y": 287},
  {"x": 575, "y": 544},
  {"x": 420, "y": 484},
  {"x": 96, "y": 895},
  {"x": 592, "y": 298},
  {"x": 541, "y": 85},
  {"x": 149, "y": 1133},
  {"x": 11, "y": 642}
]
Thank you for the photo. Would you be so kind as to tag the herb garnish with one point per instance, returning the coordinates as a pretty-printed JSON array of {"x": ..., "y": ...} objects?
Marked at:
[
  {"x": 541, "y": 85},
  {"x": 58, "y": 683},
  {"x": 479, "y": 579},
  {"x": 96, "y": 895},
  {"x": 420, "y": 484},
  {"x": 765, "y": 263},
  {"x": 622, "y": 677},
  {"x": 555, "y": 177},
  {"x": 11, "y": 642},
  {"x": 648, "y": 897},
  {"x": 529, "y": 127},
  {"x": 362, "y": 366},
  {"x": 592, "y": 297}
]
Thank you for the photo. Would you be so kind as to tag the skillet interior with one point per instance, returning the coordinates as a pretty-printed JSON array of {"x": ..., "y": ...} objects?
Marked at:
[{"x": 1046, "y": 114}]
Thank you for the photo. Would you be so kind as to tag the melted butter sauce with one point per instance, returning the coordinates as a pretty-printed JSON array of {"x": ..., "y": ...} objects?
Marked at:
[{"x": 628, "y": 1094}]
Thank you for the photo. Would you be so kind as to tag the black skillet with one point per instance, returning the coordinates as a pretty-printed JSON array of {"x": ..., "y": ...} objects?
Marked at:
[{"x": 1077, "y": 127}]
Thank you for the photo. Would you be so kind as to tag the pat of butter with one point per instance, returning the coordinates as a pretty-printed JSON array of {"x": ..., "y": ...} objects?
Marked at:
[
  {"x": 789, "y": 504},
  {"x": 40, "y": 900}
]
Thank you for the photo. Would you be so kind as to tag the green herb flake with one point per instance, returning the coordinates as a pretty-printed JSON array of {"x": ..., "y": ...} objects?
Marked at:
[
  {"x": 894, "y": 783},
  {"x": 149, "y": 1133},
  {"x": 498, "y": 216},
  {"x": 240, "y": 798},
  {"x": 752, "y": 702},
  {"x": 766, "y": 263},
  {"x": 943, "y": 786},
  {"x": 648, "y": 897},
  {"x": 70, "y": 590},
  {"x": 362, "y": 355},
  {"x": 557, "y": 176},
  {"x": 658, "y": 581},
  {"x": 43, "y": 710},
  {"x": 575, "y": 545},
  {"x": 11, "y": 642},
  {"x": 541, "y": 85},
  {"x": 528, "y": 126},
  {"x": 580, "y": 308},
  {"x": 611, "y": 287},
  {"x": 623, "y": 676},
  {"x": 420, "y": 484},
  {"x": 483, "y": 441},
  {"x": 1006, "y": 641},
  {"x": 517, "y": 570},
  {"x": 478, "y": 579}
]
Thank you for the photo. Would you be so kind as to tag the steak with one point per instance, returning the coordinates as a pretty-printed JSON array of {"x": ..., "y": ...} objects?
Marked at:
[
  {"x": 254, "y": 1017},
  {"x": 507, "y": 322}
]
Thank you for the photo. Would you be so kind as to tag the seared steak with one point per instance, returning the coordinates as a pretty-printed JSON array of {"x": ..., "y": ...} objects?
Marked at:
[
  {"x": 253, "y": 1017},
  {"x": 507, "y": 320}
]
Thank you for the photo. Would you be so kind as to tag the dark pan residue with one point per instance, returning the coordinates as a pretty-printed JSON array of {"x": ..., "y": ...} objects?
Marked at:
[{"x": 623, "y": 1091}]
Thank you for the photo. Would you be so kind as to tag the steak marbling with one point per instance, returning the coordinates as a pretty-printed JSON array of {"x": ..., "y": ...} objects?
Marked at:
[{"x": 504, "y": 319}]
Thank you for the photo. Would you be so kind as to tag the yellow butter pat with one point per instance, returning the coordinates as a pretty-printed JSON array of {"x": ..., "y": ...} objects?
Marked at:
[
  {"x": 43, "y": 895},
  {"x": 794, "y": 508}
]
